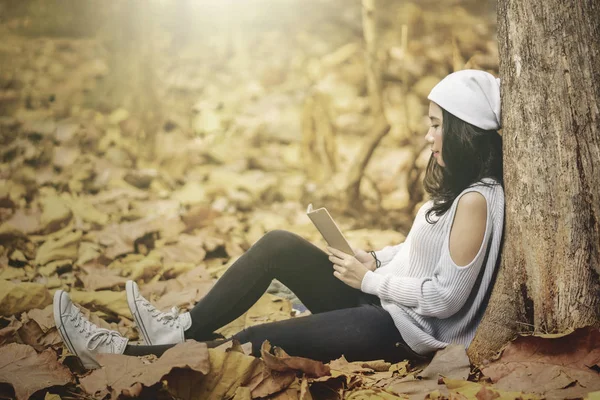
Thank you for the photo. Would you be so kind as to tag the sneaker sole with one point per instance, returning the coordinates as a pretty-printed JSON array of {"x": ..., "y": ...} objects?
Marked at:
[{"x": 133, "y": 308}]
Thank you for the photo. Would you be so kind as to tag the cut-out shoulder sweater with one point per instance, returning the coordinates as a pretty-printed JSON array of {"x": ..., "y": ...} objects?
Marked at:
[{"x": 432, "y": 301}]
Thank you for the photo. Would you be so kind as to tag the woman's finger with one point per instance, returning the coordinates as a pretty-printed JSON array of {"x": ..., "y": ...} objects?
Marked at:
[
  {"x": 335, "y": 260},
  {"x": 339, "y": 269},
  {"x": 336, "y": 252}
]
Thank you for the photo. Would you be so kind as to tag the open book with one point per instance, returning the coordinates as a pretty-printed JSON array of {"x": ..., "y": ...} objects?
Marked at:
[{"x": 329, "y": 229}]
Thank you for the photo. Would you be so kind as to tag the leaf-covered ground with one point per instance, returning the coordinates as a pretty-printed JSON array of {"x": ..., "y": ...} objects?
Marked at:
[{"x": 166, "y": 180}]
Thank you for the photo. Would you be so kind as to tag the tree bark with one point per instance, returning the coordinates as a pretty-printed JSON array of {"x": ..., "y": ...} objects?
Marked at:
[{"x": 550, "y": 71}]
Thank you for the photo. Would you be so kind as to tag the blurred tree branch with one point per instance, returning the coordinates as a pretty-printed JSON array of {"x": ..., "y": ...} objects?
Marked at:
[{"x": 380, "y": 127}]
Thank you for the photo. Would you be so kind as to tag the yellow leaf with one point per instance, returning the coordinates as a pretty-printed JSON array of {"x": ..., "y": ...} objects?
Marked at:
[
  {"x": 242, "y": 393},
  {"x": 228, "y": 371},
  {"x": 55, "y": 213},
  {"x": 53, "y": 266},
  {"x": 60, "y": 249},
  {"x": 104, "y": 300},
  {"x": 16, "y": 298},
  {"x": 9, "y": 273},
  {"x": 268, "y": 308},
  {"x": 84, "y": 210}
]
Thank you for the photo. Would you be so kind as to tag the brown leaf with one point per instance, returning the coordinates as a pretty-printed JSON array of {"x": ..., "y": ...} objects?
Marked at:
[
  {"x": 460, "y": 389},
  {"x": 38, "y": 329},
  {"x": 556, "y": 366},
  {"x": 8, "y": 332},
  {"x": 127, "y": 375},
  {"x": 370, "y": 394},
  {"x": 21, "y": 223},
  {"x": 451, "y": 362},
  {"x": 96, "y": 278},
  {"x": 342, "y": 365},
  {"x": 266, "y": 381},
  {"x": 44, "y": 317},
  {"x": 281, "y": 361},
  {"x": 187, "y": 249},
  {"x": 377, "y": 365},
  {"x": 119, "y": 238},
  {"x": 199, "y": 217},
  {"x": 42, "y": 370},
  {"x": 228, "y": 371}
]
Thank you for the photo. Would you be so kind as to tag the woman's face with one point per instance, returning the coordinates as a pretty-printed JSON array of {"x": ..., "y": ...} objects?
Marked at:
[{"x": 434, "y": 134}]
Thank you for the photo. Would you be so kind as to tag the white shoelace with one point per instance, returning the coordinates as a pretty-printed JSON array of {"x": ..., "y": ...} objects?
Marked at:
[
  {"x": 170, "y": 318},
  {"x": 91, "y": 330},
  {"x": 103, "y": 336}
]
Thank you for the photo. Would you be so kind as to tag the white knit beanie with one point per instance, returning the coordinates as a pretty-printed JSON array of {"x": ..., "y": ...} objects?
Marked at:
[{"x": 471, "y": 95}]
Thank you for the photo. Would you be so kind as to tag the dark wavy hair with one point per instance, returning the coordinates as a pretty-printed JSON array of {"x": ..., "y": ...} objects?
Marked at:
[{"x": 470, "y": 154}]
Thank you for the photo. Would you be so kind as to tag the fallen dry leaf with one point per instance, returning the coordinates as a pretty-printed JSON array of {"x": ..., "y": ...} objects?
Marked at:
[
  {"x": 555, "y": 366},
  {"x": 16, "y": 298},
  {"x": 20, "y": 224},
  {"x": 451, "y": 362},
  {"x": 38, "y": 329},
  {"x": 187, "y": 249},
  {"x": 28, "y": 371},
  {"x": 228, "y": 371},
  {"x": 97, "y": 278},
  {"x": 268, "y": 308},
  {"x": 127, "y": 375},
  {"x": 105, "y": 300},
  {"x": 281, "y": 361},
  {"x": 84, "y": 210},
  {"x": 473, "y": 390},
  {"x": 119, "y": 239},
  {"x": 64, "y": 248},
  {"x": 266, "y": 382},
  {"x": 8, "y": 330},
  {"x": 370, "y": 394},
  {"x": 55, "y": 213}
]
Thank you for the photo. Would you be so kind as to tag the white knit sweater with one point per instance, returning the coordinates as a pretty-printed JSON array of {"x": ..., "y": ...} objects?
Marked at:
[{"x": 432, "y": 301}]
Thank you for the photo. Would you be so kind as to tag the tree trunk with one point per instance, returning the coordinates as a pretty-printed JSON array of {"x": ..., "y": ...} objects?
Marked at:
[{"x": 550, "y": 71}]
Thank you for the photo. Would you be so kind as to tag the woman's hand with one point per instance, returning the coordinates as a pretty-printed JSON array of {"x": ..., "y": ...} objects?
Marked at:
[
  {"x": 347, "y": 268},
  {"x": 365, "y": 258}
]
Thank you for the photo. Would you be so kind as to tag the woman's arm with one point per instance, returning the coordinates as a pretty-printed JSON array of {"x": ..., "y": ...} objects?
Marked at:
[{"x": 444, "y": 293}]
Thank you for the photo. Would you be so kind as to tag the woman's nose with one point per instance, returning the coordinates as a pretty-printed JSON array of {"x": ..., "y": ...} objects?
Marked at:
[{"x": 428, "y": 136}]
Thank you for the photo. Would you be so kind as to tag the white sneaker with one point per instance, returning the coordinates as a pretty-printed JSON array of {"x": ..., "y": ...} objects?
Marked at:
[
  {"x": 83, "y": 338},
  {"x": 156, "y": 327}
]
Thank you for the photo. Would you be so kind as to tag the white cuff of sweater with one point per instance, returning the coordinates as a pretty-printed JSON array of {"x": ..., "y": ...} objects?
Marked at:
[{"x": 406, "y": 290}]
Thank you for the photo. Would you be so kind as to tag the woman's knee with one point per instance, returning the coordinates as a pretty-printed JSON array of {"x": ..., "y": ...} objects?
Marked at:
[{"x": 280, "y": 238}]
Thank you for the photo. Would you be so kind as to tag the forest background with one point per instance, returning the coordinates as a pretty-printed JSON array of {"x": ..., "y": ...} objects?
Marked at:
[{"x": 158, "y": 143}]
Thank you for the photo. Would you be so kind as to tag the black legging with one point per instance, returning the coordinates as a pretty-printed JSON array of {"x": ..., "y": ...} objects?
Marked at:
[{"x": 343, "y": 320}]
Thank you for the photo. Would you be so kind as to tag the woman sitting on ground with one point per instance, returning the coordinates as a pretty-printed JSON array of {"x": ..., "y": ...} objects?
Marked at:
[{"x": 401, "y": 302}]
